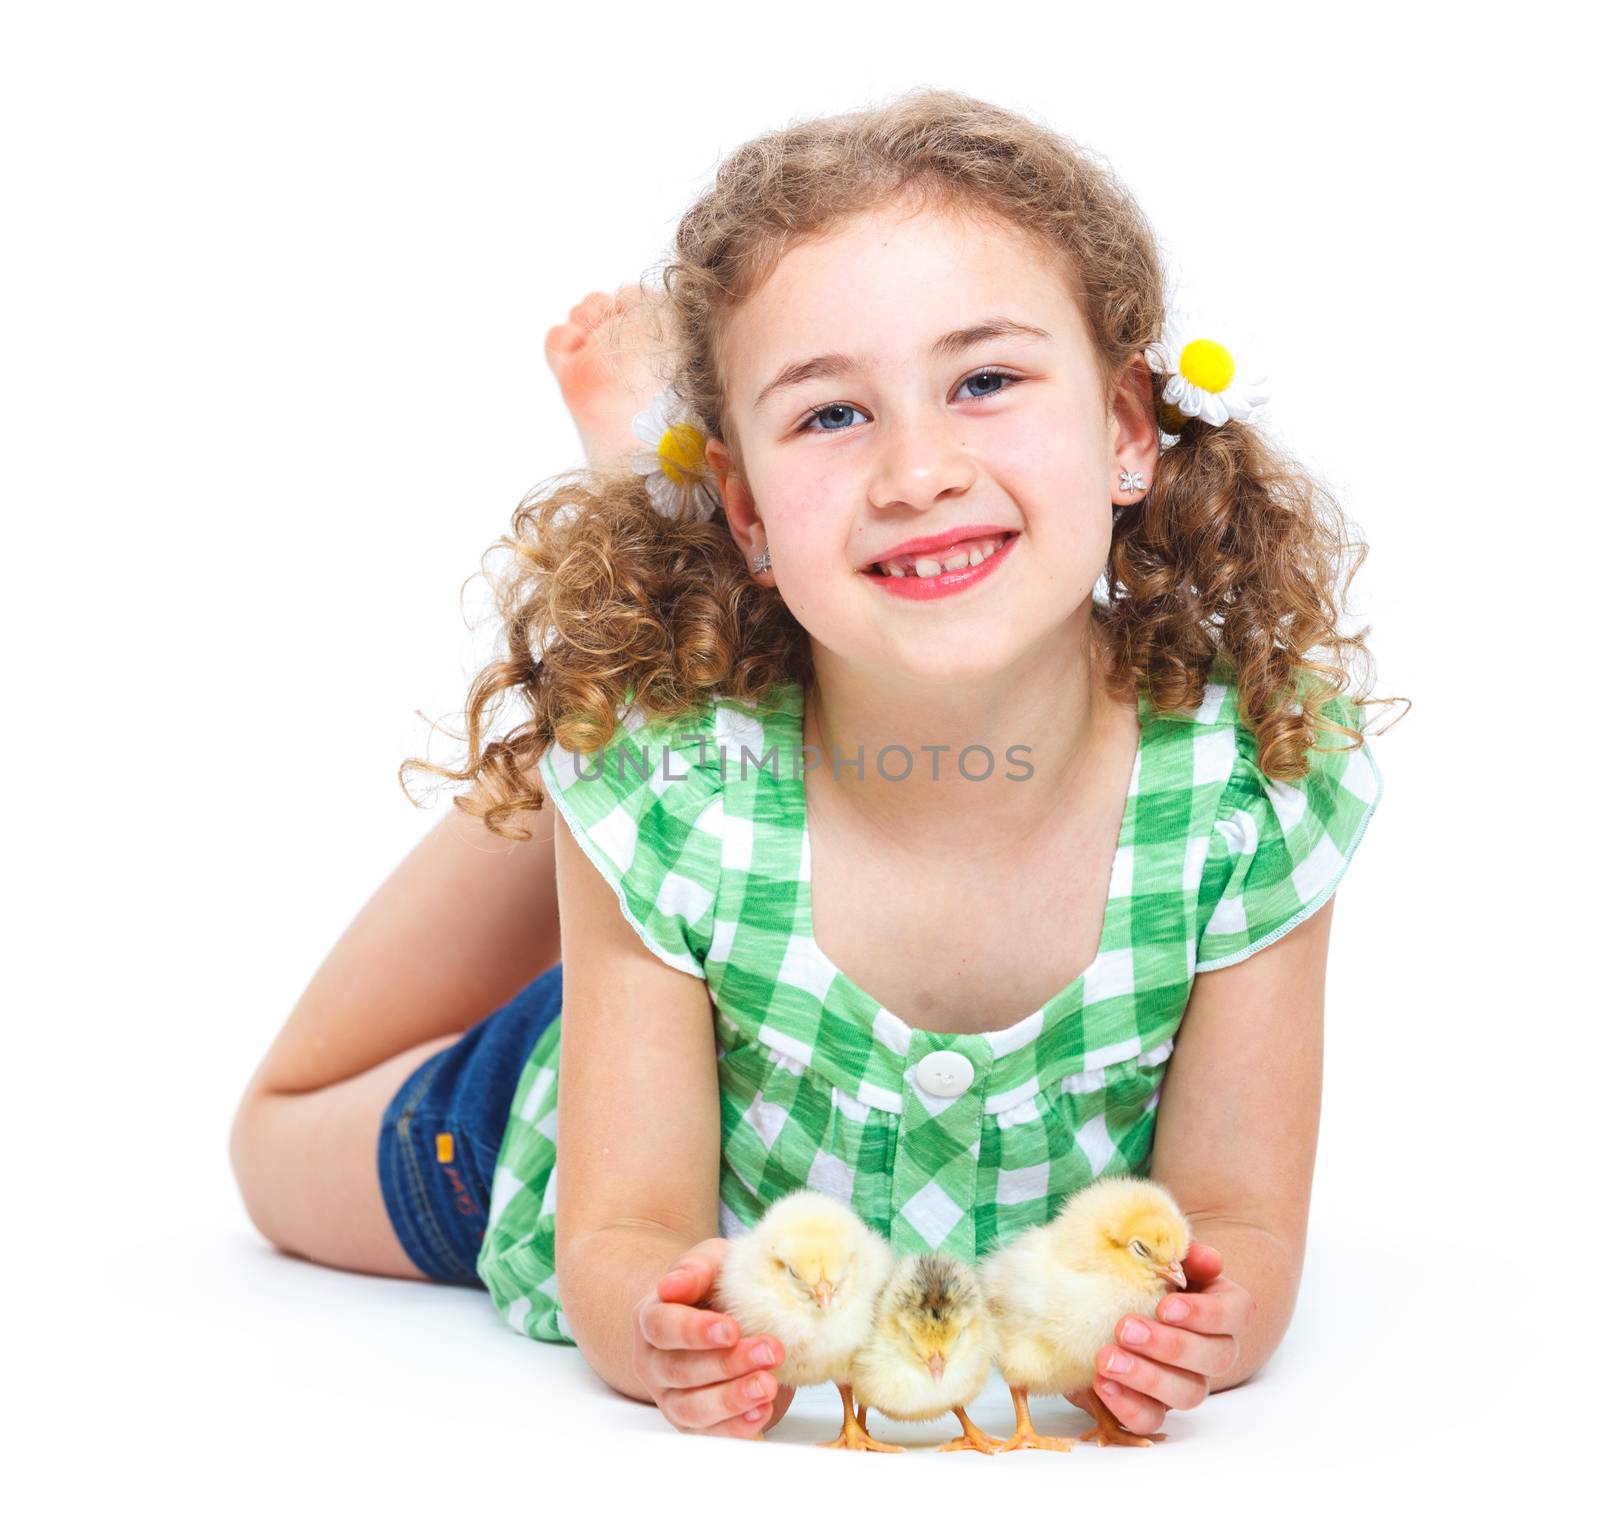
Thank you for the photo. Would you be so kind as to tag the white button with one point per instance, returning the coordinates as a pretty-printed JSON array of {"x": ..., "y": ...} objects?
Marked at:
[{"x": 945, "y": 1073}]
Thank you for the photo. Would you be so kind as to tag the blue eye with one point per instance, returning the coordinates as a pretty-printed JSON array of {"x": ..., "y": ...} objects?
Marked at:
[{"x": 821, "y": 411}]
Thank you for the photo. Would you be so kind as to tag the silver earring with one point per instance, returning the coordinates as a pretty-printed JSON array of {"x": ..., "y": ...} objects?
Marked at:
[
  {"x": 1129, "y": 481},
  {"x": 762, "y": 562}
]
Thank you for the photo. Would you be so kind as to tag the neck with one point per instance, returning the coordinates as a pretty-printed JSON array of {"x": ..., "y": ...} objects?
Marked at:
[{"x": 1047, "y": 722}]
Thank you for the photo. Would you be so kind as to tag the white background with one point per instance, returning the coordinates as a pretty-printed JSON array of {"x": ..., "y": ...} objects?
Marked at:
[{"x": 277, "y": 283}]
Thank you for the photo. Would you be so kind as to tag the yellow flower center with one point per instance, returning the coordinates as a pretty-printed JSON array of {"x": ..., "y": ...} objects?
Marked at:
[
  {"x": 1207, "y": 365},
  {"x": 682, "y": 451}
]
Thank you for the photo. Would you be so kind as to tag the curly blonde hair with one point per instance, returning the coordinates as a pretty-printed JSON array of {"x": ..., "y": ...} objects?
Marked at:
[{"x": 1234, "y": 552}]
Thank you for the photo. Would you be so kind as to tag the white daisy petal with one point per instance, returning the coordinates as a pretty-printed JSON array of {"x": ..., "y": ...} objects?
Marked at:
[
  {"x": 1212, "y": 408},
  {"x": 709, "y": 500},
  {"x": 649, "y": 424},
  {"x": 663, "y": 494}
]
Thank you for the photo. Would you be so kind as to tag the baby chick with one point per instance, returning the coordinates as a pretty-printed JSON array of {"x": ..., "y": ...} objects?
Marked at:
[
  {"x": 931, "y": 1348},
  {"x": 809, "y": 1273},
  {"x": 1058, "y": 1291}
]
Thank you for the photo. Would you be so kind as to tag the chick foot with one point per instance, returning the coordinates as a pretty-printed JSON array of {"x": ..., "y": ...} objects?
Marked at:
[
  {"x": 1107, "y": 1430},
  {"x": 1025, "y": 1436},
  {"x": 854, "y": 1434},
  {"x": 972, "y": 1436},
  {"x": 607, "y": 358}
]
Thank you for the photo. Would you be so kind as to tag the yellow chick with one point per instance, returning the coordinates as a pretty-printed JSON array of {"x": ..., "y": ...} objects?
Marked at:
[
  {"x": 1058, "y": 1291},
  {"x": 931, "y": 1348},
  {"x": 809, "y": 1273}
]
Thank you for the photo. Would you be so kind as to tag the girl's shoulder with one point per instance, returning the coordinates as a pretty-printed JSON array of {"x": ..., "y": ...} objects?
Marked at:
[
  {"x": 648, "y": 808},
  {"x": 1278, "y": 848}
]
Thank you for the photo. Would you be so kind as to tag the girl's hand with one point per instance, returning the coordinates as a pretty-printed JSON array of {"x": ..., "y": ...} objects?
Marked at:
[
  {"x": 704, "y": 1379},
  {"x": 1171, "y": 1366}
]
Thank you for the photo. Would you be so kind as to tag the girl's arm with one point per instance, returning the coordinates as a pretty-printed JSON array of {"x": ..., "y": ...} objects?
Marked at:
[
  {"x": 1236, "y": 1131},
  {"x": 640, "y": 1142},
  {"x": 1236, "y": 1143}
]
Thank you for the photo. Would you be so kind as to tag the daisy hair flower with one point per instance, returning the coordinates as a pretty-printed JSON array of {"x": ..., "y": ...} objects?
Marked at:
[
  {"x": 674, "y": 461},
  {"x": 1202, "y": 380}
]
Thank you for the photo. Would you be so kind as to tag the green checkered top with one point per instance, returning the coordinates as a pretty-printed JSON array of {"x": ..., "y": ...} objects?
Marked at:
[{"x": 938, "y": 1140}]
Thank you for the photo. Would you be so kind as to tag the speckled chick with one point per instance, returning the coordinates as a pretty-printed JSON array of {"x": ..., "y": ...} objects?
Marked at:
[{"x": 931, "y": 1348}]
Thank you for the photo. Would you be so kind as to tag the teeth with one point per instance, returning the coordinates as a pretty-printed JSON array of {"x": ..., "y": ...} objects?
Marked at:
[{"x": 963, "y": 557}]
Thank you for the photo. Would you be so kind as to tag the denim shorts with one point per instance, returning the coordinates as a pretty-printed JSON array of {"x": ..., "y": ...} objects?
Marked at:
[{"x": 441, "y": 1133}]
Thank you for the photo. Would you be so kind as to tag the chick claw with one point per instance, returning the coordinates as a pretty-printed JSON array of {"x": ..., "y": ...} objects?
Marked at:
[
  {"x": 972, "y": 1436},
  {"x": 1025, "y": 1436},
  {"x": 1107, "y": 1430},
  {"x": 854, "y": 1434}
]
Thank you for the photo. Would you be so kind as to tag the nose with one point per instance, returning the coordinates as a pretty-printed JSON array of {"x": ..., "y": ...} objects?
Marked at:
[{"x": 918, "y": 461}]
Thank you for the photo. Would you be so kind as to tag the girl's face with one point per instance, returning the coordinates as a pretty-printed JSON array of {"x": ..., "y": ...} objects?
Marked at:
[{"x": 915, "y": 377}]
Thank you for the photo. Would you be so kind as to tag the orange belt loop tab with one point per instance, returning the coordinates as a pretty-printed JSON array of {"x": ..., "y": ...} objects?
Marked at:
[{"x": 445, "y": 1146}]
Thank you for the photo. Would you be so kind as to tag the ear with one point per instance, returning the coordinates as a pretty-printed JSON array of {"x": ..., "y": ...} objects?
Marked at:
[
  {"x": 1134, "y": 433},
  {"x": 738, "y": 505}
]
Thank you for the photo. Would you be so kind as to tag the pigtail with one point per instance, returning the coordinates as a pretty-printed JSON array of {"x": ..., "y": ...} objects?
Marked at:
[
  {"x": 603, "y": 603},
  {"x": 1237, "y": 553}
]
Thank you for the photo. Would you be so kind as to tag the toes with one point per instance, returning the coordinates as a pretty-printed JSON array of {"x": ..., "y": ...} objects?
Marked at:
[
  {"x": 583, "y": 320},
  {"x": 594, "y": 308}
]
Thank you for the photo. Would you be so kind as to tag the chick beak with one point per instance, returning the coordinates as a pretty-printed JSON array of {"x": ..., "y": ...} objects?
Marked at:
[
  {"x": 1174, "y": 1273},
  {"x": 822, "y": 1294},
  {"x": 936, "y": 1366}
]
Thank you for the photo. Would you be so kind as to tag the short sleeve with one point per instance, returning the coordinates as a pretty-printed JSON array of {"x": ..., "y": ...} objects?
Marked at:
[
  {"x": 647, "y": 810},
  {"x": 1280, "y": 847}
]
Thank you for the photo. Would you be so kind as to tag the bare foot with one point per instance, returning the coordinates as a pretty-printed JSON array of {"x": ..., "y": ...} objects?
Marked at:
[{"x": 607, "y": 358}]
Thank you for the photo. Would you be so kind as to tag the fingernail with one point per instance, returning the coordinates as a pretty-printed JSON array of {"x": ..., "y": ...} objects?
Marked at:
[
  {"x": 759, "y": 1388},
  {"x": 1111, "y": 1388},
  {"x": 764, "y": 1355},
  {"x": 1118, "y": 1364},
  {"x": 722, "y": 1333},
  {"x": 1135, "y": 1332},
  {"x": 755, "y": 1414},
  {"x": 1174, "y": 1310}
]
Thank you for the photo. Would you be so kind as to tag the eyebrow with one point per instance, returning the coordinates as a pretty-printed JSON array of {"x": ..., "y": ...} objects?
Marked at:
[{"x": 830, "y": 365}]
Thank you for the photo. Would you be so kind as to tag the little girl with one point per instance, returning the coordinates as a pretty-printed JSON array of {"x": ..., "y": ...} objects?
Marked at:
[{"x": 942, "y": 698}]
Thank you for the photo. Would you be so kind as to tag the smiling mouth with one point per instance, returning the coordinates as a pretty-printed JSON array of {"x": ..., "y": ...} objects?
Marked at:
[{"x": 926, "y": 565}]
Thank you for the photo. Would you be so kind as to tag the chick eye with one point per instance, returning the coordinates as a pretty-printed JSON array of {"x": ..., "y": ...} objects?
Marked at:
[{"x": 1140, "y": 1249}]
